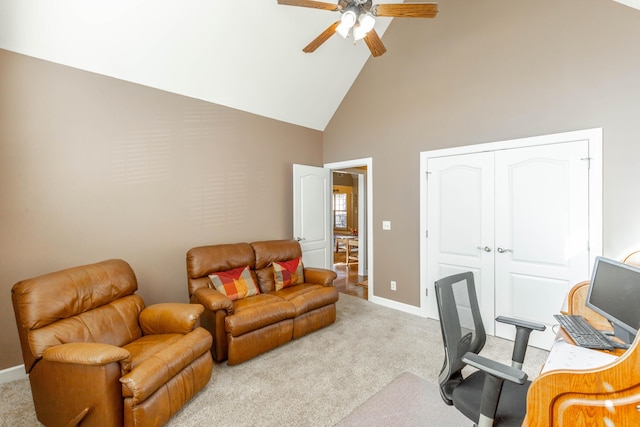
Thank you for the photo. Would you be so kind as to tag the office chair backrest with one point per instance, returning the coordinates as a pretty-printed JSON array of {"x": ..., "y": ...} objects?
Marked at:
[{"x": 461, "y": 324}]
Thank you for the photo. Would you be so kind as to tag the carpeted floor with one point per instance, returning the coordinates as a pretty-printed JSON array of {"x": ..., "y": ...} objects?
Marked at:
[
  {"x": 317, "y": 380},
  {"x": 409, "y": 401}
]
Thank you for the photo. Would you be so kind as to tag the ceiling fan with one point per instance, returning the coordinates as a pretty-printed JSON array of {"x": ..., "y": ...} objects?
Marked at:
[{"x": 358, "y": 18}]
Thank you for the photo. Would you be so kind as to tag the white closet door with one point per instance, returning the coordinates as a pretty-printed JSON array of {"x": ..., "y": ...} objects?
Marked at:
[
  {"x": 542, "y": 232},
  {"x": 460, "y": 218}
]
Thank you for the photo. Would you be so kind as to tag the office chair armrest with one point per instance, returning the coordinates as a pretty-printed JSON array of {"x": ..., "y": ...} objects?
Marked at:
[
  {"x": 497, "y": 373},
  {"x": 494, "y": 368},
  {"x": 534, "y": 326},
  {"x": 523, "y": 330}
]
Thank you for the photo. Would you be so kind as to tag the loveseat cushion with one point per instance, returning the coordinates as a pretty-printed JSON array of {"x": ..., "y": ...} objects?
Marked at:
[
  {"x": 307, "y": 297},
  {"x": 257, "y": 312}
]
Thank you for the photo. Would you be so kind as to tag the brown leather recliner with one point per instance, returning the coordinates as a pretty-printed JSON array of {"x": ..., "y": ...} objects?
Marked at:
[{"x": 96, "y": 356}]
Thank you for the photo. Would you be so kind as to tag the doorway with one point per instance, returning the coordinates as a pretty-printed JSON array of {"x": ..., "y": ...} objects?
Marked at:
[
  {"x": 346, "y": 221},
  {"x": 355, "y": 275}
]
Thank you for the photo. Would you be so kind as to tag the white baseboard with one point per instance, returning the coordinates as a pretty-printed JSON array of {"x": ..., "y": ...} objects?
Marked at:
[
  {"x": 411, "y": 309},
  {"x": 12, "y": 374}
]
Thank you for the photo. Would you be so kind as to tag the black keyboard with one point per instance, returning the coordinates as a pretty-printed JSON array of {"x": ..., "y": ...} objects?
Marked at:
[{"x": 582, "y": 333}]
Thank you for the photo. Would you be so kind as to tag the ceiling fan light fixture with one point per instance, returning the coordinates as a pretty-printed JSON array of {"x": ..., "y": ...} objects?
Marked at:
[
  {"x": 347, "y": 21},
  {"x": 358, "y": 32},
  {"x": 343, "y": 30},
  {"x": 364, "y": 25},
  {"x": 348, "y": 18},
  {"x": 367, "y": 22}
]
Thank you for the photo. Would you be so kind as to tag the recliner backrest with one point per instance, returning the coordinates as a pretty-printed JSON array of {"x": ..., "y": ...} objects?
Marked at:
[
  {"x": 272, "y": 250},
  {"x": 79, "y": 304},
  {"x": 205, "y": 260}
]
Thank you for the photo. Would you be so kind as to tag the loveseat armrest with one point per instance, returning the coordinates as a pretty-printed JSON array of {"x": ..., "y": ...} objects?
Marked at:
[
  {"x": 159, "y": 368},
  {"x": 86, "y": 353},
  {"x": 319, "y": 276},
  {"x": 213, "y": 300},
  {"x": 170, "y": 318}
]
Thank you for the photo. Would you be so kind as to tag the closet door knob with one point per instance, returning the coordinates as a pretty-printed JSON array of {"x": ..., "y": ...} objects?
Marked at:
[
  {"x": 486, "y": 248},
  {"x": 500, "y": 250}
]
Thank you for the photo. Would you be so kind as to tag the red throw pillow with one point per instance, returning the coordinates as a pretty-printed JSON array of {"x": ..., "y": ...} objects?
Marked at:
[
  {"x": 288, "y": 273},
  {"x": 235, "y": 284}
]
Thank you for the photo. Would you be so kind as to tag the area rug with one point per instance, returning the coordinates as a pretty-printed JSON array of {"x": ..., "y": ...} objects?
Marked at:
[{"x": 409, "y": 400}]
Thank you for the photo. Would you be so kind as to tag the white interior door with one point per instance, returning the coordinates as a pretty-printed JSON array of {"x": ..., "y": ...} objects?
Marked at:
[
  {"x": 461, "y": 227},
  {"x": 542, "y": 232},
  {"x": 311, "y": 214}
]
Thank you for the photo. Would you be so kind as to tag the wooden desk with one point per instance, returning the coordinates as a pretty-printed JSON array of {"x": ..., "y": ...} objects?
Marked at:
[{"x": 608, "y": 395}]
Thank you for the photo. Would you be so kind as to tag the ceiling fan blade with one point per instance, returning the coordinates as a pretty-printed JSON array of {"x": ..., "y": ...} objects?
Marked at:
[
  {"x": 406, "y": 10},
  {"x": 375, "y": 44},
  {"x": 311, "y": 3},
  {"x": 323, "y": 37}
]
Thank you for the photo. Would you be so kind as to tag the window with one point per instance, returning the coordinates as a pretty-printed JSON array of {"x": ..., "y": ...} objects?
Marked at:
[{"x": 340, "y": 210}]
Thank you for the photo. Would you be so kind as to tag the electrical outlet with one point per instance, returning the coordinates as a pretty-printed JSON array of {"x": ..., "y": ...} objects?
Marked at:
[
  {"x": 386, "y": 225},
  {"x": 393, "y": 285}
]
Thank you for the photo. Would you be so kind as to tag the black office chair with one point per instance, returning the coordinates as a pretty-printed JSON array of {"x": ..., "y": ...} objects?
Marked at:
[{"x": 483, "y": 396}]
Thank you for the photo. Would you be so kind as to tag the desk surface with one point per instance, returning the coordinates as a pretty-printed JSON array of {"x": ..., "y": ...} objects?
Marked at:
[{"x": 566, "y": 355}]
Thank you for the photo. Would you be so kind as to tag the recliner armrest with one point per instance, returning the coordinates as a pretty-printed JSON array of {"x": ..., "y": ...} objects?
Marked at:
[
  {"x": 213, "y": 300},
  {"x": 170, "y": 318},
  {"x": 86, "y": 353},
  {"x": 494, "y": 368},
  {"x": 319, "y": 276}
]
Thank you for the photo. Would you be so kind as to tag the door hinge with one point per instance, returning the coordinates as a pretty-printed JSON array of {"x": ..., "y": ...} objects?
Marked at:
[
  {"x": 427, "y": 173},
  {"x": 426, "y": 233},
  {"x": 588, "y": 159},
  {"x": 426, "y": 292}
]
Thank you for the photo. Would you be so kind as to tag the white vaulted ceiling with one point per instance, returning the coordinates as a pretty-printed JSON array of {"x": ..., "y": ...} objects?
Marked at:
[{"x": 244, "y": 54}]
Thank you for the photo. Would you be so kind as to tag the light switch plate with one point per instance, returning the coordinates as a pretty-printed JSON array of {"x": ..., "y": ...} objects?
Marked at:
[{"x": 386, "y": 225}]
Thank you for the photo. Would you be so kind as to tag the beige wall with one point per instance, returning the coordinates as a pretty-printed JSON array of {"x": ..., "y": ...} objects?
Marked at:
[
  {"x": 491, "y": 71},
  {"x": 94, "y": 168}
]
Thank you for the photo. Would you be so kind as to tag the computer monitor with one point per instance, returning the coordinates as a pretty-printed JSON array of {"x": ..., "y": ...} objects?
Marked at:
[{"x": 614, "y": 292}]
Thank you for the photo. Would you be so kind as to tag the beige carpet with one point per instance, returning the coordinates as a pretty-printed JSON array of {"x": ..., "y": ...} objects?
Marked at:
[{"x": 317, "y": 380}]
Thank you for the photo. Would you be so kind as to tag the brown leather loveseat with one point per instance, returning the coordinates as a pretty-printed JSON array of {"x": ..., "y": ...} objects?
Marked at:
[
  {"x": 252, "y": 308},
  {"x": 96, "y": 356}
]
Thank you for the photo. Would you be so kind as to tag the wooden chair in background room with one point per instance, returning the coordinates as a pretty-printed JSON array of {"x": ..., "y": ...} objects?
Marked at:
[
  {"x": 352, "y": 251},
  {"x": 341, "y": 248}
]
